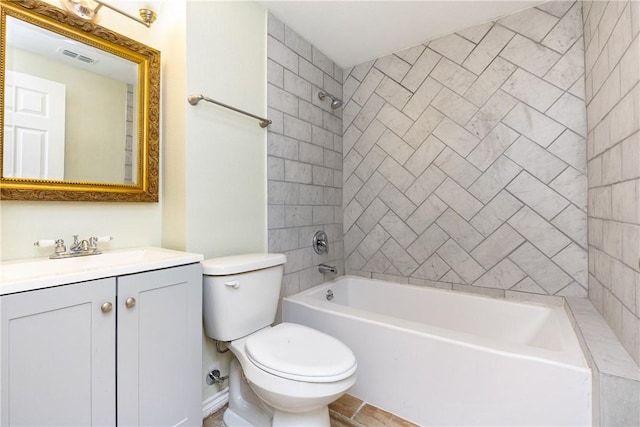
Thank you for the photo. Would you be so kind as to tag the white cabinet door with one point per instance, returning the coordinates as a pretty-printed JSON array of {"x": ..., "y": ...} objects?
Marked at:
[
  {"x": 57, "y": 356},
  {"x": 160, "y": 347}
]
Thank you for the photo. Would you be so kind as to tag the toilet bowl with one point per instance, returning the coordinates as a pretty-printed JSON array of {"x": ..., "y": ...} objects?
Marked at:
[{"x": 289, "y": 372}]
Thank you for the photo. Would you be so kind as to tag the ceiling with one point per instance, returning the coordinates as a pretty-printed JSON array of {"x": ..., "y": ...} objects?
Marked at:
[{"x": 353, "y": 32}]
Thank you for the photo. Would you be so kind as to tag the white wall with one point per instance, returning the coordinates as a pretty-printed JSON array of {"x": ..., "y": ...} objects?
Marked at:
[{"x": 225, "y": 152}]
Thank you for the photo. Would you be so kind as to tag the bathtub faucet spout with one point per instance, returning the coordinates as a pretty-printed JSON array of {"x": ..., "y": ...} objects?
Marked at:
[{"x": 324, "y": 268}]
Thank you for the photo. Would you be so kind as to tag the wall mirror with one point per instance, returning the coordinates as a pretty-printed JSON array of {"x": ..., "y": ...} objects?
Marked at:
[{"x": 80, "y": 109}]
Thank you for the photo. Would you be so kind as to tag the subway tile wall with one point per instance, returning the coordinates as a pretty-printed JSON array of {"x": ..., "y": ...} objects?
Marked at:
[
  {"x": 304, "y": 157},
  {"x": 612, "y": 64},
  {"x": 465, "y": 159}
]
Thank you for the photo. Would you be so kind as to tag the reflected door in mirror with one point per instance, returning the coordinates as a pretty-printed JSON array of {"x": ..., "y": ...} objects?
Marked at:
[{"x": 34, "y": 127}]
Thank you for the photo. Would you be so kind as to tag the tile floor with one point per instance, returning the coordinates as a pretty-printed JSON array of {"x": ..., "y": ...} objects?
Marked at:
[{"x": 348, "y": 411}]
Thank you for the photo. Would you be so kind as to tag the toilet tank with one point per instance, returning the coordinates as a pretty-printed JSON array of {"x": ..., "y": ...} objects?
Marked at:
[{"x": 240, "y": 294}]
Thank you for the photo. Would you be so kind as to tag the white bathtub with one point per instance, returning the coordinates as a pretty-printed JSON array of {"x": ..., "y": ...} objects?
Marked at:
[{"x": 439, "y": 357}]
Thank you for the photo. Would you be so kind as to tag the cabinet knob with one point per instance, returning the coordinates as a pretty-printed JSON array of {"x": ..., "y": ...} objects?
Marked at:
[
  {"x": 106, "y": 307},
  {"x": 130, "y": 302}
]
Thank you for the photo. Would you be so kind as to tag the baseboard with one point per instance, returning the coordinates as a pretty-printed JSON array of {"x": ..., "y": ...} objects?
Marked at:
[{"x": 215, "y": 402}]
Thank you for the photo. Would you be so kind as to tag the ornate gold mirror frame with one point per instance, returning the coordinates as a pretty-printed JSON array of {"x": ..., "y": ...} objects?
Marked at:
[{"x": 145, "y": 188}]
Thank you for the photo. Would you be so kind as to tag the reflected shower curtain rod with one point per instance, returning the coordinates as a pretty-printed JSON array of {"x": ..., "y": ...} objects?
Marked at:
[{"x": 194, "y": 99}]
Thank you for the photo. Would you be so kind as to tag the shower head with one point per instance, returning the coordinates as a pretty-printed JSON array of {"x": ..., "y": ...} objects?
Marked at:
[{"x": 335, "y": 102}]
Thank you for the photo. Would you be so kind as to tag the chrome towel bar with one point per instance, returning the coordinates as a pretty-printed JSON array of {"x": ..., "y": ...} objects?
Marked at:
[{"x": 194, "y": 99}]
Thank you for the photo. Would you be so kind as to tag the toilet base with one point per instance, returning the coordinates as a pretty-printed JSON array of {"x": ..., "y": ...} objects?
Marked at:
[
  {"x": 246, "y": 410},
  {"x": 317, "y": 418}
]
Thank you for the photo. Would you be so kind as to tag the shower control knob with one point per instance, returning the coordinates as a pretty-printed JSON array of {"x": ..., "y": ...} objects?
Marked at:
[
  {"x": 106, "y": 307},
  {"x": 130, "y": 302}
]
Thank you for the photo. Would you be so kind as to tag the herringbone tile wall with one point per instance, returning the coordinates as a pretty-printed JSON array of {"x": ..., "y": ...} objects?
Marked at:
[{"x": 465, "y": 158}]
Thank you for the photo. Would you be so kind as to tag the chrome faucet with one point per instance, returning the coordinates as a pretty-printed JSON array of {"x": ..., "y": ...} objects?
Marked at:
[
  {"x": 78, "y": 248},
  {"x": 324, "y": 268}
]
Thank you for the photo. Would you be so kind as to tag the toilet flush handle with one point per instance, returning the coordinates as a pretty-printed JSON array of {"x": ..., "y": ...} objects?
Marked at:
[{"x": 234, "y": 284}]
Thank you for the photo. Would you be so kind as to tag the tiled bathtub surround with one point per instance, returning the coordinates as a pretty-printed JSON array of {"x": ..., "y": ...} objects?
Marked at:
[
  {"x": 465, "y": 158},
  {"x": 304, "y": 156},
  {"x": 612, "y": 62}
]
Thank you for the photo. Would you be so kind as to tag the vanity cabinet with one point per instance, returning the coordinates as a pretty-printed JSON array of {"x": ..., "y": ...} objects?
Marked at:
[{"x": 122, "y": 350}]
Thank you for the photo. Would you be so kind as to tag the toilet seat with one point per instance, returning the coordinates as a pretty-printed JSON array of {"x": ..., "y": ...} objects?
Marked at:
[{"x": 299, "y": 353}]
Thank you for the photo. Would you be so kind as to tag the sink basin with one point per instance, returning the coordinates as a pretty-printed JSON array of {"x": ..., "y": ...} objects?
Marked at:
[{"x": 30, "y": 274}]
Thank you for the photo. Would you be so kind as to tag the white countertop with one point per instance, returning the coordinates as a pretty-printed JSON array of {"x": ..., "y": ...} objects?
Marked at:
[{"x": 39, "y": 273}]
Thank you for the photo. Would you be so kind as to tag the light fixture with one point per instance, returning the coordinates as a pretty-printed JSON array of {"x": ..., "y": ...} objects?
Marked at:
[{"x": 88, "y": 9}]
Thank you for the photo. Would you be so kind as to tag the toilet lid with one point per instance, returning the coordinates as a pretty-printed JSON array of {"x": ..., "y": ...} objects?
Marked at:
[{"x": 299, "y": 353}]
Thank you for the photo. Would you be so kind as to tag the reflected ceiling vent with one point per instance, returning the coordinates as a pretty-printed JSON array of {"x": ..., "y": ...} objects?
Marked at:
[{"x": 77, "y": 55}]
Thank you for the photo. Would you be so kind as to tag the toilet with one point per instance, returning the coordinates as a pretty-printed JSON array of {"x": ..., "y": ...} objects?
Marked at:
[{"x": 283, "y": 375}]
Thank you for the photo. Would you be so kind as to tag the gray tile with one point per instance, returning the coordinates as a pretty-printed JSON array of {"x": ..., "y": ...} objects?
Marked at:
[
  {"x": 454, "y": 106},
  {"x": 544, "y": 272},
  {"x": 490, "y": 46},
  {"x": 282, "y": 146},
  {"x": 425, "y": 184},
  {"x": 297, "y": 43},
  {"x": 433, "y": 268},
  {"x": 422, "y": 127},
  {"x": 321, "y": 61},
  {"x": 570, "y": 111},
  {"x": 573, "y": 222},
  {"x": 573, "y": 260},
  {"x": 297, "y": 172},
  {"x": 369, "y": 138},
  {"x": 531, "y": 90},
  {"x": 368, "y": 112},
  {"x": 393, "y": 67},
  {"x": 310, "y": 72},
  {"x": 496, "y": 177},
  {"x": 569, "y": 68},
  {"x": 535, "y": 159},
  {"x": 396, "y": 174},
  {"x": 453, "y": 47},
  {"x": 373, "y": 241},
  {"x": 489, "y": 81},
  {"x": 411, "y": 54},
  {"x": 497, "y": 246},
  {"x": 567, "y": 31},
  {"x": 539, "y": 232},
  {"x": 453, "y": 76},
  {"x": 399, "y": 257},
  {"x": 281, "y": 100},
  {"x": 534, "y": 125},
  {"x": 476, "y": 33},
  {"x": 426, "y": 214},
  {"x": 456, "y": 137},
  {"x": 372, "y": 215},
  {"x": 367, "y": 87},
  {"x": 398, "y": 229},
  {"x": 398, "y": 202},
  {"x": 572, "y": 185},
  {"x": 275, "y": 28},
  {"x": 282, "y": 54},
  {"x": 537, "y": 196},
  {"x": 458, "y": 199},
  {"x": 296, "y": 128},
  {"x": 424, "y": 155},
  {"x": 420, "y": 69},
  {"x": 422, "y": 98},
  {"x": 394, "y": 146},
  {"x": 427, "y": 243},
  {"x": 492, "y": 146},
  {"x": 459, "y": 230},
  {"x": 531, "y": 56},
  {"x": 532, "y": 23},
  {"x": 491, "y": 114},
  {"x": 495, "y": 213},
  {"x": 370, "y": 189},
  {"x": 370, "y": 163},
  {"x": 572, "y": 148},
  {"x": 394, "y": 119},
  {"x": 393, "y": 93},
  {"x": 456, "y": 167},
  {"x": 503, "y": 275},
  {"x": 460, "y": 261}
]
